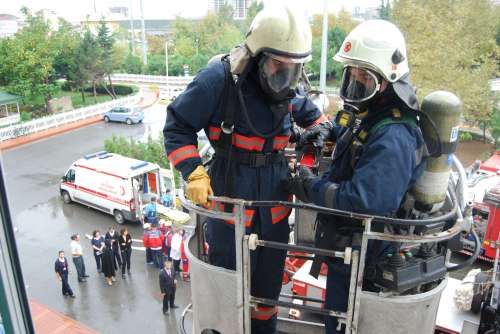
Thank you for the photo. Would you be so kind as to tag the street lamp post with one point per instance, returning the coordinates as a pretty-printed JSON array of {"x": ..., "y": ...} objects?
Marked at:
[
  {"x": 166, "y": 66},
  {"x": 324, "y": 48}
]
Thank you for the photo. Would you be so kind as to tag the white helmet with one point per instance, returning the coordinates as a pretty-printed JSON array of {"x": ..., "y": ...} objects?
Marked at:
[
  {"x": 378, "y": 45},
  {"x": 281, "y": 31},
  {"x": 280, "y": 39},
  {"x": 375, "y": 49}
]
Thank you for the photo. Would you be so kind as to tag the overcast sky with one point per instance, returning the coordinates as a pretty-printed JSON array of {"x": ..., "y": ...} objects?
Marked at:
[{"x": 75, "y": 10}]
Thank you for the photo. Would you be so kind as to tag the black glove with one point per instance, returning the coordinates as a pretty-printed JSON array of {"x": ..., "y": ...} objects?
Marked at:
[
  {"x": 317, "y": 134},
  {"x": 301, "y": 184}
]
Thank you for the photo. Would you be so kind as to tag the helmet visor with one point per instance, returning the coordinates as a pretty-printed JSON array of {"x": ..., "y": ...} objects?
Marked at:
[
  {"x": 279, "y": 73},
  {"x": 358, "y": 84}
]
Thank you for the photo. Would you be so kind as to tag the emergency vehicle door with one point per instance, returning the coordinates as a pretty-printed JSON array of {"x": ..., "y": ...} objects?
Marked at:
[
  {"x": 136, "y": 185},
  {"x": 152, "y": 183}
]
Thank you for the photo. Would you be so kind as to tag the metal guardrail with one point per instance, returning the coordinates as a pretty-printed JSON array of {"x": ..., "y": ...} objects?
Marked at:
[
  {"x": 44, "y": 123},
  {"x": 153, "y": 79}
]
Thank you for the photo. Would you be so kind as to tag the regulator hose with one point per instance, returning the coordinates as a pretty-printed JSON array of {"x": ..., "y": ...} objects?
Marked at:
[{"x": 470, "y": 260}]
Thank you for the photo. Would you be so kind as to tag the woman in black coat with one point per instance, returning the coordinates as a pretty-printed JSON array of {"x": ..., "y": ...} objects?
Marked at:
[
  {"x": 108, "y": 266},
  {"x": 125, "y": 241}
]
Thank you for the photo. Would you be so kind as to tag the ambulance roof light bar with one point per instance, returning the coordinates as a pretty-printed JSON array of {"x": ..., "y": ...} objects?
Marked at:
[
  {"x": 93, "y": 155},
  {"x": 139, "y": 165}
]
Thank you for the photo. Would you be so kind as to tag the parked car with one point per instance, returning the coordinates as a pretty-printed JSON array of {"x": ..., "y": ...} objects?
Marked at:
[
  {"x": 127, "y": 115},
  {"x": 171, "y": 94},
  {"x": 175, "y": 92}
]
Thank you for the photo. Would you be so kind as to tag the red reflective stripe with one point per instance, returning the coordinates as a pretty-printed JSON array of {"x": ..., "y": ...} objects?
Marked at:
[
  {"x": 100, "y": 171},
  {"x": 183, "y": 153},
  {"x": 214, "y": 133},
  {"x": 320, "y": 119},
  {"x": 278, "y": 213},
  {"x": 248, "y": 218},
  {"x": 216, "y": 206},
  {"x": 248, "y": 143},
  {"x": 280, "y": 142},
  {"x": 263, "y": 313}
]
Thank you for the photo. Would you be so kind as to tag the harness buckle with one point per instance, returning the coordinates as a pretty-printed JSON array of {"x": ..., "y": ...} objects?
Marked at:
[
  {"x": 227, "y": 129},
  {"x": 260, "y": 160}
]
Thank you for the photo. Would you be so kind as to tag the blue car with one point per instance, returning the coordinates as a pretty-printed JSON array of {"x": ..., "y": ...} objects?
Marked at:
[{"x": 129, "y": 115}]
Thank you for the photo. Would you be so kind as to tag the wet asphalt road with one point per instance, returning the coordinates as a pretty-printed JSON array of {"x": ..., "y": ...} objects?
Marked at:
[{"x": 44, "y": 224}]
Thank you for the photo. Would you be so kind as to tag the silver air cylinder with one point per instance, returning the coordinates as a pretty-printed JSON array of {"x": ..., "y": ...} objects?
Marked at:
[{"x": 444, "y": 109}]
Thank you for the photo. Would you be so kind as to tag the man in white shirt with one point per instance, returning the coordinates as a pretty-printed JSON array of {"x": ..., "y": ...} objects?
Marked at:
[
  {"x": 77, "y": 253},
  {"x": 175, "y": 250}
]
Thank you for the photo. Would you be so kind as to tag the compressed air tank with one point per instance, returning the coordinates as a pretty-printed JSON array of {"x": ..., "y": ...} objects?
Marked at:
[{"x": 445, "y": 110}]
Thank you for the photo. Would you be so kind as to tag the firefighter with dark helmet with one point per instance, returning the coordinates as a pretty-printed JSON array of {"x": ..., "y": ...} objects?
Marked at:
[
  {"x": 246, "y": 103},
  {"x": 380, "y": 150}
]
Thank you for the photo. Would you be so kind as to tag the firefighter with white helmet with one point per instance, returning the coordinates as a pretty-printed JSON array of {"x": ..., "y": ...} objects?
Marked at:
[
  {"x": 380, "y": 151},
  {"x": 245, "y": 102}
]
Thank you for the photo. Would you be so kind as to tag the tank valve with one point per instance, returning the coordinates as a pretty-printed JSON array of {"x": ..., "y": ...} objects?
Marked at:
[{"x": 252, "y": 241}]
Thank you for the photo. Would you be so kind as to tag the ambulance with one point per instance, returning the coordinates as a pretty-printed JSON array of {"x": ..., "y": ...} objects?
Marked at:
[{"x": 112, "y": 183}]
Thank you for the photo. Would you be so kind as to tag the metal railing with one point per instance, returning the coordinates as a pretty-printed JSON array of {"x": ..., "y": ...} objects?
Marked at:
[
  {"x": 355, "y": 258},
  {"x": 44, "y": 123},
  {"x": 153, "y": 79}
]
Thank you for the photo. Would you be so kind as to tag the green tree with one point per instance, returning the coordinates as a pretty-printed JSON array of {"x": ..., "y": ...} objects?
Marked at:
[
  {"x": 195, "y": 43},
  {"x": 156, "y": 65},
  {"x": 450, "y": 47},
  {"x": 29, "y": 59},
  {"x": 132, "y": 64},
  {"x": 89, "y": 56},
  {"x": 106, "y": 41},
  {"x": 156, "y": 44},
  {"x": 384, "y": 10},
  {"x": 495, "y": 124},
  {"x": 334, "y": 69},
  {"x": 66, "y": 41},
  {"x": 254, "y": 8}
]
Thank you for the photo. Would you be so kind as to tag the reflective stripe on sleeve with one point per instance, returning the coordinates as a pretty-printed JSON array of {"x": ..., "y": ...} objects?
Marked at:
[
  {"x": 182, "y": 153},
  {"x": 263, "y": 312},
  {"x": 278, "y": 213},
  {"x": 280, "y": 142}
]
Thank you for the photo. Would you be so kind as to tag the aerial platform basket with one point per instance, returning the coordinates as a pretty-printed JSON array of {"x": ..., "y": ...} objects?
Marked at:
[{"x": 221, "y": 299}]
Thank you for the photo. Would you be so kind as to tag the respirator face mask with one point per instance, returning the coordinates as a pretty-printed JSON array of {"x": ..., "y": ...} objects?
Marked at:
[
  {"x": 358, "y": 86},
  {"x": 279, "y": 76}
]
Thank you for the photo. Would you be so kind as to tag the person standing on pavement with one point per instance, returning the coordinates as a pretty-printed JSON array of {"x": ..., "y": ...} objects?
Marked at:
[
  {"x": 166, "y": 199},
  {"x": 175, "y": 250},
  {"x": 168, "y": 240},
  {"x": 97, "y": 243},
  {"x": 145, "y": 242},
  {"x": 125, "y": 241},
  {"x": 156, "y": 244},
  {"x": 112, "y": 235},
  {"x": 150, "y": 213},
  {"x": 108, "y": 265},
  {"x": 168, "y": 285},
  {"x": 62, "y": 269},
  {"x": 77, "y": 253}
]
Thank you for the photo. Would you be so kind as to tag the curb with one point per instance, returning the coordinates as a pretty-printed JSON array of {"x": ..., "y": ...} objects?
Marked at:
[{"x": 12, "y": 143}]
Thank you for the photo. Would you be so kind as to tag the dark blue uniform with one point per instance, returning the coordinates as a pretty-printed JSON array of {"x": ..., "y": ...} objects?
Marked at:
[
  {"x": 200, "y": 107},
  {"x": 62, "y": 269},
  {"x": 386, "y": 166}
]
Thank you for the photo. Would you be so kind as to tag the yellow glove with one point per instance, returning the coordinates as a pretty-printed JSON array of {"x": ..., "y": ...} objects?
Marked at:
[{"x": 198, "y": 188}]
